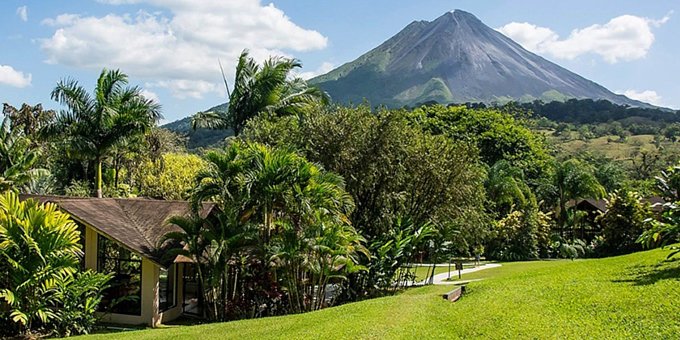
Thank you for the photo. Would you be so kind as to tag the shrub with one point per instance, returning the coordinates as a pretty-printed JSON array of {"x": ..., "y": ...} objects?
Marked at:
[
  {"x": 41, "y": 290},
  {"x": 514, "y": 238},
  {"x": 623, "y": 222}
]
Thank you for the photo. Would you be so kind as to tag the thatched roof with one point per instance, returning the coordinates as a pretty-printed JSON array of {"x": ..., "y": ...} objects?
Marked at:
[{"x": 137, "y": 224}]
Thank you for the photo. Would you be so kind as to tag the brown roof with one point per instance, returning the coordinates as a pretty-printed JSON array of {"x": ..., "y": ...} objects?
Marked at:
[
  {"x": 138, "y": 224},
  {"x": 655, "y": 202}
]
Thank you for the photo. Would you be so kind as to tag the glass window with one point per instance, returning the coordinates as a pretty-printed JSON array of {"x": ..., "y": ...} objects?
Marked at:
[
  {"x": 167, "y": 288},
  {"x": 124, "y": 296}
]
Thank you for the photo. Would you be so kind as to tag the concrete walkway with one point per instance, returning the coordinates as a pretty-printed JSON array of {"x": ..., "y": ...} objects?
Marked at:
[{"x": 441, "y": 279}]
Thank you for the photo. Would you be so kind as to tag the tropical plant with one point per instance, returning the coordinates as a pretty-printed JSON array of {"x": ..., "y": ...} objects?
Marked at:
[
  {"x": 94, "y": 125},
  {"x": 282, "y": 234},
  {"x": 515, "y": 237},
  {"x": 17, "y": 159},
  {"x": 668, "y": 183},
  {"x": 574, "y": 180},
  {"x": 171, "y": 177},
  {"x": 568, "y": 249},
  {"x": 625, "y": 219},
  {"x": 76, "y": 299},
  {"x": 265, "y": 88},
  {"x": 40, "y": 250},
  {"x": 506, "y": 188}
]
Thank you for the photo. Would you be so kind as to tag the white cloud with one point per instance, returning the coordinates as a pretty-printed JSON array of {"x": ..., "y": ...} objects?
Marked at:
[
  {"x": 22, "y": 12},
  {"x": 324, "y": 68},
  {"x": 177, "y": 51},
  {"x": 10, "y": 76},
  {"x": 623, "y": 38},
  {"x": 647, "y": 96},
  {"x": 150, "y": 95}
]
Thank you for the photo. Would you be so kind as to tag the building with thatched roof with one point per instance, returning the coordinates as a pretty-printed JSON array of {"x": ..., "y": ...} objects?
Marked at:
[{"x": 122, "y": 236}]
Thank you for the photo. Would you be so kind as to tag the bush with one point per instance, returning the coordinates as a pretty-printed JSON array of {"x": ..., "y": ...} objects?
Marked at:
[
  {"x": 41, "y": 288},
  {"x": 513, "y": 238},
  {"x": 623, "y": 222}
]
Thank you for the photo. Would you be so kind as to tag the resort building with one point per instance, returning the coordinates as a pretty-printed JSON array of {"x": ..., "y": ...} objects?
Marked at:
[{"x": 121, "y": 236}]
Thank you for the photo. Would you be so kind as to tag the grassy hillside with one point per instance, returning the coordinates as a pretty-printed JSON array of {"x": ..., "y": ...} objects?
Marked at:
[
  {"x": 610, "y": 146},
  {"x": 632, "y": 296}
]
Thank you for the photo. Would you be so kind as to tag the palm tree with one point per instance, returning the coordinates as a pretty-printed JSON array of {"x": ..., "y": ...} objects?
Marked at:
[
  {"x": 574, "y": 180},
  {"x": 17, "y": 159},
  {"x": 289, "y": 214},
  {"x": 261, "y": 88},
  {"x": 94, "y": 125},
  {"x": 506, "y": 187}
]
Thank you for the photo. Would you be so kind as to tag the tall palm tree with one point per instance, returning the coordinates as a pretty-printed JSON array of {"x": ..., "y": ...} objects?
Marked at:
[
  {"x": 574, "y": 180},
  {"x": 261, "y": 88},
  {"x": 94, "y": 125}
]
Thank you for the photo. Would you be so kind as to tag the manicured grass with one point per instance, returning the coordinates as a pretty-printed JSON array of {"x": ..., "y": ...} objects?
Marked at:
[{"x": 632, "y": 296}]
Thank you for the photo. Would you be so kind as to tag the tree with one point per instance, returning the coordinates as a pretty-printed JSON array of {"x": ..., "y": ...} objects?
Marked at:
[
  {"x": 624, "y": 221},
  {"x": 17, "y": 159},
  {"x": 282, "y": 221},
  {"x": 259, "y": 89},
  {"x": 171, "y": 177},
  {"x": 497, "y": 135},
  {"x": 574, "y": 180},
  {"x": 28, "y": 119},
  {"x": 94, "y": 125},
  {"x": 394, "y": 170},
  {"x": 505, "y": 187}
]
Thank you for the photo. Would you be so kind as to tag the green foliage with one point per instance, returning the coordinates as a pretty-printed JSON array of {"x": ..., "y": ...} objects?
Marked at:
[
  {"x": 280, "y": 217},
  {"x": 520, "y": 235},
  {"x": 171, "y": 177},
  {"x": 665, "y": 230},
  {"x": 393, "y": 170},
  {"x": 39, "y": 249},
  {"x": 18, "y": 159},
  {"x": 28, "y": 119},
  {"x": 668, "y": 184},
  {"x": 78, "y": 189},
  {"x": 573, "y": 180},
  {"x": 265, "y": 88},
  {"x": 497, "y": 135},
  {"x": 506, "y": 188},
  {"x": 92, "y": 126},
  {"x": 624, "y": 221},
  {"x": 77, "y": 298},
  {"x": 568, "y": 249}
]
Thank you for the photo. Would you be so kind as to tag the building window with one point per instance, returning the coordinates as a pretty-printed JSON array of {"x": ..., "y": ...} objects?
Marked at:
[
  {"x": 124, "y": 296},
  {"x": 168, "y": 288}
]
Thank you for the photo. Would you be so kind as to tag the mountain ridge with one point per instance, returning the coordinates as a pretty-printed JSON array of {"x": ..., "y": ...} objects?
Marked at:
[{"x": 456, "y": 58}]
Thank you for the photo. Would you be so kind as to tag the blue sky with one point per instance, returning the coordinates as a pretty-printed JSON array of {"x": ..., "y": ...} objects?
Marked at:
[{"x": 171, "y": 47}]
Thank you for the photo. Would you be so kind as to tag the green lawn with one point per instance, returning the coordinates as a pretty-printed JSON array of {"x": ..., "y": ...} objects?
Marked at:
[{"x": 633, "y": 296}]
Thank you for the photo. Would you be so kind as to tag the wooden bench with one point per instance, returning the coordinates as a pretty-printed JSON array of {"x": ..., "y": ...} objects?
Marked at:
[{"x": 455, "y": 294}]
